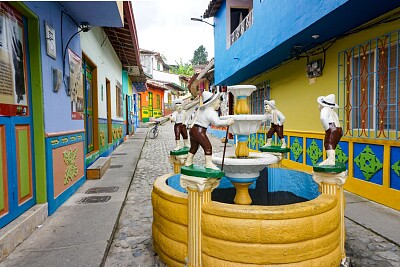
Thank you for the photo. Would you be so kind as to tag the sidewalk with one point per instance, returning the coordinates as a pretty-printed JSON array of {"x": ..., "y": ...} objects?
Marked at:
[{"x": 81, "y": 234}]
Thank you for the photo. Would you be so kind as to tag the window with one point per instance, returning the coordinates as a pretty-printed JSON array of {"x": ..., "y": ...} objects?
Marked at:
[
  {"x": 369, "y": 88},
  {"x": 158, "y": 101},
  {"x": 257, "y": 98},
  {"x": 118, "y": 97},
  {"x": 237, "y": 16},
  {"x": 239, "y": 20}
]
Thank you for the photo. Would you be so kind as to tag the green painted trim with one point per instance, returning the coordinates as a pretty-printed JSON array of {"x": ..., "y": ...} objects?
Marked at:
[
  {"x": 201, "y": 172},
  {"x": 183, "y": 151},
  {"x": 23, "y": 159},
  {"x": 37, "y": 99},
  {"x": 337, "y": 168},
  {"x": 274, "y": 149}
]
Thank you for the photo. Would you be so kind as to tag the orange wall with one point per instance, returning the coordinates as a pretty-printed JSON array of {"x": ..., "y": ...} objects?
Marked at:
[{"x": 145, "y": 98}]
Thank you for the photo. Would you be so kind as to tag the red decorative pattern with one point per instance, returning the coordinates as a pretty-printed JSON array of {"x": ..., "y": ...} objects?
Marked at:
[
  {"x": 349, "y": 78},
  {"x": 382, "y": 84}
]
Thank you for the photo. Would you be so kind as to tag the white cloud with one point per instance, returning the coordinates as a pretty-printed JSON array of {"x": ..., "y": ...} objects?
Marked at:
[{"x": 164, "y": 26}]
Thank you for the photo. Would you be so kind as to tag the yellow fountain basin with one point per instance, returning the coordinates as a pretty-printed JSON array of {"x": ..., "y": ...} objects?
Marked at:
[
  {"x": 170, "y": 223},
  {"x": 301, "y": 234}
]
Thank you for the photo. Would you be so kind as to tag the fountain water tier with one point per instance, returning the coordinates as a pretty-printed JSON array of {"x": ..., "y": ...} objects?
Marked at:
[
  {"x": 243, "y": 169},
  {"x": 245, "y": 124},
  {"x": 242, "y": 172}
]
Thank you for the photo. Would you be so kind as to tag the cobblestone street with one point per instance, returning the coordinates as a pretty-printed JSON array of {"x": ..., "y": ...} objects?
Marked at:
[
  {"x": 365, "y": 248},
  {"x": 132, "y": 244}
]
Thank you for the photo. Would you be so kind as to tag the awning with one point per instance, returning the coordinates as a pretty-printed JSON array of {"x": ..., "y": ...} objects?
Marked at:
[
  {"x": 95, "y": 13},
  {"x": 125, "y": 43}
]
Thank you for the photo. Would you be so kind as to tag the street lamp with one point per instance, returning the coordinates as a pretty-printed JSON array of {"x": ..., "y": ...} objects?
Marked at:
[{"x": 201, "y": 20}]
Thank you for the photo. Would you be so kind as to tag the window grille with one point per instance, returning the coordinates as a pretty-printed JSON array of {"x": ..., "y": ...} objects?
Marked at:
[
  {"x": 257, "y": 98},
  {"x": 369, "y": 76}
]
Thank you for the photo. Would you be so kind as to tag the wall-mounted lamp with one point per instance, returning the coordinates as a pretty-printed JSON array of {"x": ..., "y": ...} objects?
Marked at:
[{"x": 201, "y": 20}]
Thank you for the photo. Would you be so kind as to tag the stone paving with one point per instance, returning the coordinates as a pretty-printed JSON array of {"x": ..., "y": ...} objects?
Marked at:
[
  {"x": 132, "y": 244},
  {"x": 365, "y": 248}
]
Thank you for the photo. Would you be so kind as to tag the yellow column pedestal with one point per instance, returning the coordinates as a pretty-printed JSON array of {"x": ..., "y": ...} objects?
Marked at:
[
  {"x": 242, "y": 196},
  {"x": 332, "y": 184},
  {"x": 241, "y": 106},
  {"x": 178, "y": 161},
  {"x": 199, "y": 192},
  {"x": 242, "y": 150}
]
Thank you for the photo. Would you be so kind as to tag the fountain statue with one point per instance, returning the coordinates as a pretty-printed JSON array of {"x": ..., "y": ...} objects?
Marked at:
[
  {"x": 179, "y": 116},
  {"x": 193, "y": 227},
  {"x": 206, "y": 115},
  {"x": 277, "y": 119},
  {"x": 330, "y": 122},
  {"x": 243, "y": 168}
]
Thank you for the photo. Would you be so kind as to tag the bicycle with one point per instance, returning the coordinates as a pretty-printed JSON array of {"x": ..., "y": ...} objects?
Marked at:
[{"x": 154, "y": 131}]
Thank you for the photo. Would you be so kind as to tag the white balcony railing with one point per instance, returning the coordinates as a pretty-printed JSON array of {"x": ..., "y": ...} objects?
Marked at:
[{"x": 241, "y": 29}]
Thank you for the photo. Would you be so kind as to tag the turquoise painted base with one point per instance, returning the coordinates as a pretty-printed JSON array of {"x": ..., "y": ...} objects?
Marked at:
[
  {"x": 337, "y": 168},
  {"x": 201, "y": 171},
  {"x": 183, "y": 151},
  {"x": 274, "y": 149}
]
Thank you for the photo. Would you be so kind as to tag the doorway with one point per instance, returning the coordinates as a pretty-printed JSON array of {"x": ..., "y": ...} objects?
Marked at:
[
  {"x": 17, "y": 160},
  {"x": 150, "y": 104},
  {"x": 128, "y": 115},
  {"x": 91, "y": 105}
]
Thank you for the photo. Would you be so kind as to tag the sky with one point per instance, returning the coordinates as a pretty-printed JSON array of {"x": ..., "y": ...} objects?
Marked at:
[{"x": 164, "y": 26}]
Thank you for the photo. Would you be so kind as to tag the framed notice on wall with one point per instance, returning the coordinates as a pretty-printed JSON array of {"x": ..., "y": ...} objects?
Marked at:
[
  {"x": 50, "y": 41},
  {"x": 76, "y": 85},
  {"x": 13, "y": 84}
]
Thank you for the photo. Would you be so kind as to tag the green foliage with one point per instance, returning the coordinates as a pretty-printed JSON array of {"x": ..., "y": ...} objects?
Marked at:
[
  {"x": 185, "y": 69},
  {"x": 200, "y": 56}
]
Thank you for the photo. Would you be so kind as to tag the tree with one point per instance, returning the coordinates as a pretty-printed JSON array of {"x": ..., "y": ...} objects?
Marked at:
[
  {"x": 200, "y": 56},
  {"x": 185, "y": 69}
]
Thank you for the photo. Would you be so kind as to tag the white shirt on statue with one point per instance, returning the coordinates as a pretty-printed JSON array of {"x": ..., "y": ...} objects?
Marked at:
[
  {"x": 328, "y": 115},
  {"x": 208, "y": 116},
  {"x": 179, "y": 117},
  {"x": 276, "y": 117}
]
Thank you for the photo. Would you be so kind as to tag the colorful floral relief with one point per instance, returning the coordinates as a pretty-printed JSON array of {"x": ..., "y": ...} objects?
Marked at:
[
  {"x": 261, "y": 140},
  {"x": 253, "y": 141},
  {"x": 340, "y": 155},
  {"x": 396, "y": 168},
  {"x": 368, "y": 163},
  {"x": 314, "y": 152},
  {"x": 296, "y": 149},
  {"x": 70, "y": 160},
  {"x": 102, "y": 139}
]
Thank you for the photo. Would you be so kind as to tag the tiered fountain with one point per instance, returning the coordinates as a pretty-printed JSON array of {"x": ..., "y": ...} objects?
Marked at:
[
  {"x": 243, "y": 167},
  {"x": 189, "y": 229}
]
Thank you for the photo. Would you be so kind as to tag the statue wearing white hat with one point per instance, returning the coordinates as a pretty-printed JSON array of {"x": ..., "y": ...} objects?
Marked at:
[
  {"x": 179, "y": 116},
  {"x": 206, "y": 115},
  {"x": 330, "y": 122},
  {"x": 277, "y": 119}
]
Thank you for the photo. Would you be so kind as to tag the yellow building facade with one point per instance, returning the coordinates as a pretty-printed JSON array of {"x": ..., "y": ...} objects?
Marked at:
[{"x": 362, "y": 70}]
